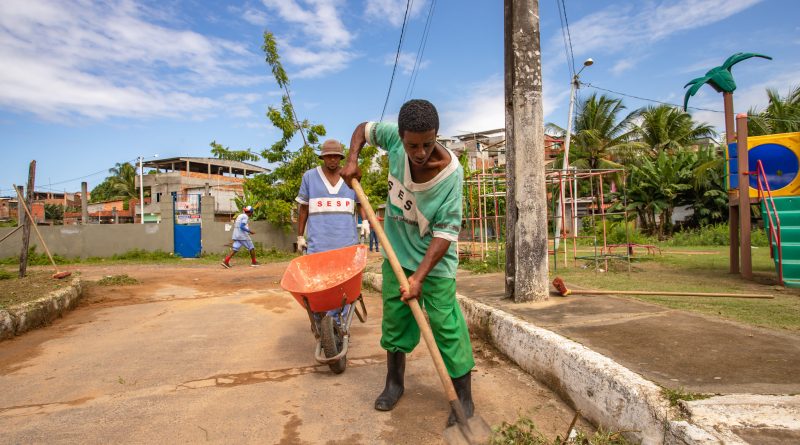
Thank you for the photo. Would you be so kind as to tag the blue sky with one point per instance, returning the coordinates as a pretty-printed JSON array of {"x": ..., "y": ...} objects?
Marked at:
[{"x": 86, "y": 84}]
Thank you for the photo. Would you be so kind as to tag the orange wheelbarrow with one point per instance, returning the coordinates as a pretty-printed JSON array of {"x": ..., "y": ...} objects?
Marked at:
[{"x": 328, "y": 286}]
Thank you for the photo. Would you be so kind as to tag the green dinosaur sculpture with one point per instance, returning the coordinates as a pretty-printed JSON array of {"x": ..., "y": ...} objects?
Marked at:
[{"x": 720, "y": 77}]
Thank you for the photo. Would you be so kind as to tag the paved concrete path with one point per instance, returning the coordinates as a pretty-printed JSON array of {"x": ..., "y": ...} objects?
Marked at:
[
  {"x": 670, "y": 347},
  {"x": 200, "y": 353}
]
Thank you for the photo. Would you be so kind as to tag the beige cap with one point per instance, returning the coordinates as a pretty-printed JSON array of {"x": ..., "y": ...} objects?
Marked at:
[{"x": 332, "y": 147}]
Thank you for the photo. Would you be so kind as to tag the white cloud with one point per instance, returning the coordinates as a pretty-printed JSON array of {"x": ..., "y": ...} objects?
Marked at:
[
  {"x": 484, "y": 107},
  {"x": 622, "y": 28},
  {"x": 240, "y": 105},
  {"x": 66, "y": 59},
  {"x": 315, "y": 63},
  {"x": 392, "y": 11},
  {"x": 320, "y": 22},
  {"x": 255, "y": 17},
  {"x": 405, "y": 62},
  {"x": 324, "y": 49},
  {"x": 622, "y": 65}
]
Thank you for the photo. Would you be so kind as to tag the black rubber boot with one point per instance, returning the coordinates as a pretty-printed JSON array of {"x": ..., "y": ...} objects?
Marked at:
[
  {"x": 396, "y": 368},
  {"x": 463, "y": 386}
]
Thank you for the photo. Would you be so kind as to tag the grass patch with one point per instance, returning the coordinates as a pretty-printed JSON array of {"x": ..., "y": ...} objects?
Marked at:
[
  {"x": 674, "y": 395},
  {"x": 117, "y": 280},
  {"x": 677, "y": 269},
  {"x": 695, "y": 269},
  {"x": 478, "y": 266},
  {"x": 6, "y": 275},
  {"x": 525, "y": 432},
  {"x": 143, "y": 256},
  {"x": 34, "y": 259},
  {"x": 38, "y": 283}
]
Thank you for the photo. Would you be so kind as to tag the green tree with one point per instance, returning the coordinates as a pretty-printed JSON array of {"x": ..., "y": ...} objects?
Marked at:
[
  {"x": 123, "y": 180},
  {"x": 666, "y": 128},
  {"x": 103, "y": 191},
  {"x": 601, "y": 138},
  {"x": 708, "y": 197},
  {"x": 782, "y": 115},
  {"x": 54, "y": 212},
  {"x": 657, "y": 185},
  {"x": 272, "y": 194},
  {"x": 120, "y": 185},
  {"x": 221, "y": 152}
]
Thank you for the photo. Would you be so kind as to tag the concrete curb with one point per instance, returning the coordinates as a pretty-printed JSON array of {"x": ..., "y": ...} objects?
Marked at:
[
  {"x": 40, "y": 312},
  {"x": 605, "y": 392}
]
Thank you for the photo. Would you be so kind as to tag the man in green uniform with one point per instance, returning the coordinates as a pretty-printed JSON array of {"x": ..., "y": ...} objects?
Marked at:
[{"x": 422, "y": 222}]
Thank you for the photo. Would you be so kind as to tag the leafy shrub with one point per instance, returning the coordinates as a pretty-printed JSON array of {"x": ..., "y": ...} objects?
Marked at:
[
  {"x": 714, "y": 235},
  {"x": 117, "y": 280},
  {"x": 144, "y": 255},
  {"x": 35, "y": 258}
]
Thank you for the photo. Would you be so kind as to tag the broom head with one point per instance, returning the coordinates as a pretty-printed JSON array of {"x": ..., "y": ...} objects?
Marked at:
[{"x": 561, "y": 287}]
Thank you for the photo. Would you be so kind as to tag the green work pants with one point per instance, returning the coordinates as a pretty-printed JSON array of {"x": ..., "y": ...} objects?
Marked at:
[{"x": 400, "y": 331}]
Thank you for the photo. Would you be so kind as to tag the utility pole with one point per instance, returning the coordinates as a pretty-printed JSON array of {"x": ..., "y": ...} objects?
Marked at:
[
  {"x": 26, "y": 228},
  {"x": 574, "y": 85},
  {"x": 526, "y": 213},
  {"x": 84, "y": 203},
  {"x": 141, "y": 188}
]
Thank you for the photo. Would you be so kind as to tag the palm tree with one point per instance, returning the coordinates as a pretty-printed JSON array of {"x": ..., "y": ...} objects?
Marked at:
[
  {"x": 782, "y": 115},
  {"x": 123, "y": 180},
  {"x": 657, "y": 185},
  {"x": 720, "y": 77},
  {"x": 664, "y": 128},
  {"x": 601, "y": 138}
]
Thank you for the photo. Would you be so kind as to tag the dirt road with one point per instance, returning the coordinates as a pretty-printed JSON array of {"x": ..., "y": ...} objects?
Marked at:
[{"x": 197, "y": 353}]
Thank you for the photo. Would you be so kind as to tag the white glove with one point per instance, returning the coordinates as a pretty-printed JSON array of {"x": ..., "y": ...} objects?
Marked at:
[
  {"x": 301, "y": 244},
  {"x": 365, "y": 228}
]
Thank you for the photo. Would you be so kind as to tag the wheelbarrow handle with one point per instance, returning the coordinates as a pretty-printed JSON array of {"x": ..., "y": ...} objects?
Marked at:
[{"x": 424, "y": 327}]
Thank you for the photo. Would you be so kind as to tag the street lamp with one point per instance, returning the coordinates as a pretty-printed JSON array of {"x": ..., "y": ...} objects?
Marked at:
[{"x": 575, "y": 84}]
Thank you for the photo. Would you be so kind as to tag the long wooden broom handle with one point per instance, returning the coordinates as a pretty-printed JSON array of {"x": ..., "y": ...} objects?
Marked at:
[
  {"x": 33, "y": 223},
  {"x": 424, "y": 328},
  {"x": 669, "y": 294}
]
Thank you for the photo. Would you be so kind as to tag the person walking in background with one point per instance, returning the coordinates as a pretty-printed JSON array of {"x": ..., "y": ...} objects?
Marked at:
[
  {"x": 373, "y": 237},
  {"x": 241, "y": 238}
]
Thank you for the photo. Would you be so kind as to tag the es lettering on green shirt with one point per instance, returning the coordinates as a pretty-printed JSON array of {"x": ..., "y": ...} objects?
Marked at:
[{"x": 418, "y": 212}]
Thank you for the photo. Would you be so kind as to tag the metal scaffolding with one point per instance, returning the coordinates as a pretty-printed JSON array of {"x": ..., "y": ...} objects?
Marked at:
[{"x": 484, "y": 222}]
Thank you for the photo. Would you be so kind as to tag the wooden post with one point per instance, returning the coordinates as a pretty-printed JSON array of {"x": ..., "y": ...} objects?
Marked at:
[
  {"x": 26, "y": 229},
  {"x": 84, "y": 203},
  {"x": 733, "y": 212},
  {"x": 744, "y": 196},
  {"x": 20, "y": 213},
  {"x": 526, "y": 198}
]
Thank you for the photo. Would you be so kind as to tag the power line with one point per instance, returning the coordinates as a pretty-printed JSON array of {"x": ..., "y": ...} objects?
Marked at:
[
  {"x": 646, "y": 99},
  {"x": 567, "y": 42},
  {"x": 751, "y": 116},
  {"x": 51, "y": 184},
  {"x": 420, "y": 51},
  {"x": 396, "y": 57},
  {"x": 569, "y": 36}
]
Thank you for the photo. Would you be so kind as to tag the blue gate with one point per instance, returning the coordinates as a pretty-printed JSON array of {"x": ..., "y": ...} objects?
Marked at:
[{"x": 186, "y": 219}]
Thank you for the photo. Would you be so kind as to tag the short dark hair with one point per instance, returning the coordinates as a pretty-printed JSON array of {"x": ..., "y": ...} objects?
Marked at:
[{"x": 417, "y": 115}]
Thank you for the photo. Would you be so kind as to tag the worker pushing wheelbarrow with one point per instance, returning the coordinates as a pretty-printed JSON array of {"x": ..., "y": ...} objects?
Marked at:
[
  {"x": 327, "y": 281},
  {"x": 328, "y": 286}
]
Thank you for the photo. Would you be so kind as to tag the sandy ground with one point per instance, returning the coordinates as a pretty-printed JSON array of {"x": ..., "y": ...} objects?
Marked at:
[{"x": 198, "y": 353}]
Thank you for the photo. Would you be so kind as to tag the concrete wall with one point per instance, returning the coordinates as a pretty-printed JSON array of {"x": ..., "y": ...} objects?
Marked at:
[{"x": 103, "y": 240}]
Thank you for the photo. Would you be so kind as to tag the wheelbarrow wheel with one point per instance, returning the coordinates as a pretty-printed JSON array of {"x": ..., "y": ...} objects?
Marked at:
[{"x": 332, "y": 344}]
